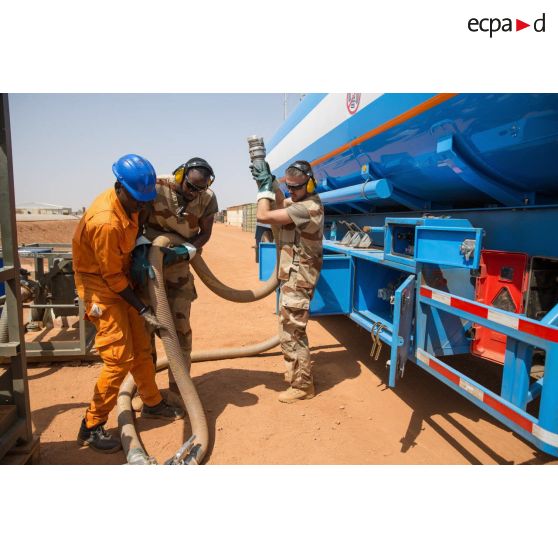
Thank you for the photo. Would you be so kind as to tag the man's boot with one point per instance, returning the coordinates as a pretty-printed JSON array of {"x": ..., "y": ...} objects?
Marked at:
[
  {"x": 162, "y": 411},
  {"x": 98, "y": 439},
  {"x": 295, "y": 394}
]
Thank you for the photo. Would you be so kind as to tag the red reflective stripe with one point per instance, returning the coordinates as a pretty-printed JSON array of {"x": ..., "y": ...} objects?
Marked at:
[
  {"x": 426, "y": 292},
  {"x": 520, "y": 420},
  {"x": 469, "y": 307},
  {"x": 444, "y": 371},
  {"x": 538, "y": 330}
]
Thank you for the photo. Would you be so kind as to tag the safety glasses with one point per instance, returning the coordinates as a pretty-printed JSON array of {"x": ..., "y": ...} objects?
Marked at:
[
  {"x": 194, "y": 187},
  {"x": 295, "y": 187}
]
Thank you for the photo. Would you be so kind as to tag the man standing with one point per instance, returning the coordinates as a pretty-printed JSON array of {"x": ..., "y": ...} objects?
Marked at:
[
  {"x": 102, "y": 246},
  {"x": 185, "y": 205},
  {"x": 302, "y": 224}
]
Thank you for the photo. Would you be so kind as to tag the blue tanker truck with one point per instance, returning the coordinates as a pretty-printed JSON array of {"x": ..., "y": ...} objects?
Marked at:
[{"x": 441, "y": 237}]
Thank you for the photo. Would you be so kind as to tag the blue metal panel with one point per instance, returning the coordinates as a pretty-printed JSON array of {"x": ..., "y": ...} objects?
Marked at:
[
  {"x": 442, "y": 333},
  {"x": 399, "y": 239},
  {"x": 402, "y": 322},
  {"x": 333, "y": 291},
  {"x": 450, "y": 157},
  {"x": 267, "y": 260},
  {"x": 527, "y": 230},
  {"x": 515, "y": 377},
  {"x": 442, "y": 246}
]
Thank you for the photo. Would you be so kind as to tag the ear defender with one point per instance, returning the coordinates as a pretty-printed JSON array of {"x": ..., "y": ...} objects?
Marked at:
[
  {"x": 179, "y": 174},
  {"x": 192, "y": 164},
  {"x": 311, "y": 186},
  {"x": 305, "y": 167}
]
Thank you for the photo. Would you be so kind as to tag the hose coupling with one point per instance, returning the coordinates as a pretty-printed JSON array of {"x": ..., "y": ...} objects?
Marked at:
[{"x": 186, "y": 454}]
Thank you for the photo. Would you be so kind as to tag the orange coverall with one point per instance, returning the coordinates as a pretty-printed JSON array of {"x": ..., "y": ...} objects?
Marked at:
[{"x": 102, "y": 247}]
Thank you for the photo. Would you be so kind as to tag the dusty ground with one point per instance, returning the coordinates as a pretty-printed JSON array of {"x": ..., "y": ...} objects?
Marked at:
[{"x": 354, "y": 418}]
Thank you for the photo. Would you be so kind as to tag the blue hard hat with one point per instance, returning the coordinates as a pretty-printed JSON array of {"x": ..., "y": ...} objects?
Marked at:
[{"x": 137, "y": 175}]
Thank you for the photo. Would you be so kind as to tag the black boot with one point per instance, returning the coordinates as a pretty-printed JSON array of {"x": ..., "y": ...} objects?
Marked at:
[
  {"x": 162, "y": 411},
  {"x": 97, "y": 439}
]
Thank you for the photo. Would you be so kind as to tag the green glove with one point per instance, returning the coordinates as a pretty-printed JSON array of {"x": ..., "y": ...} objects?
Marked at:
[
  {"x": 178, "y": 253},
  {"x": 262, "y": 175},
  {"x": 140, "y": 269}
]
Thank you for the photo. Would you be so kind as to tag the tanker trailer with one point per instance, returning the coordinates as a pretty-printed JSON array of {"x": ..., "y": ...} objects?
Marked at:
[{"x": 440, "y": 240}]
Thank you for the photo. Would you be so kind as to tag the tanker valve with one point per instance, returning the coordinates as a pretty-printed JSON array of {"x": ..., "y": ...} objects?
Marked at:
[{"x": 184, "y": 455}]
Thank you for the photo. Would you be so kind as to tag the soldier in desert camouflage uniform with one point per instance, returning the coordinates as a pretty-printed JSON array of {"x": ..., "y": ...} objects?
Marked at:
[
  {"x": 302, "y": 223},
  {"x": 185, "y": 205}
]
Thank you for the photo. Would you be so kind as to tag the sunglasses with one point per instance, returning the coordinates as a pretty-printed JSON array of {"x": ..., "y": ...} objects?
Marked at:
[
  {"x": 194, "y": 187},
  {"x": 296, "y": 187}
]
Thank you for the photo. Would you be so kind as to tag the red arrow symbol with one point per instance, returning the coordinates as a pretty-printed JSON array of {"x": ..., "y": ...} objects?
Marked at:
[{"x": 519, "y": 25}]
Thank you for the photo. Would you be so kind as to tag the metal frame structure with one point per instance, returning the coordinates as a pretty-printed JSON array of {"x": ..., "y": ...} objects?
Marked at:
[
  {"x": 510, "y": 406},
  {"x": 54, "y": 349},
  {"x": 389, "y": 292},
  {"x": 40, "y": 350},
  {"x": 13, "y": 381}
]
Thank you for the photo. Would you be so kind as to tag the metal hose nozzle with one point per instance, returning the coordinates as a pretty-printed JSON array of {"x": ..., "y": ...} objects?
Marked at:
[{"x": 256, "y": 147}]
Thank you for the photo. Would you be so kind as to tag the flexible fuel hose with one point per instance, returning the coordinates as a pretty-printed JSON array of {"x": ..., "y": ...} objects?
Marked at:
[
  {"x": 224, "y": 291},
  {"x": 204, "y": 356},
  {"x": 226, "y": 353},
  {"x": 135, "y": 454},
  {"x": 228, "y": 293},
  {"x": 179, "y": 369}
]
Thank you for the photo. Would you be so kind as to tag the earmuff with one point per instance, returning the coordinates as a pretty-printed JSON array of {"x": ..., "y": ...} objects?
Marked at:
[
  {"x": 195, "y": 162},
  {"x": 304, "y": 167}
]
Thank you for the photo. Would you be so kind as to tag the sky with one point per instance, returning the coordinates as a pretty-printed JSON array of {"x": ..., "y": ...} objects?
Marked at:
[{"x": 64, "y": 144}]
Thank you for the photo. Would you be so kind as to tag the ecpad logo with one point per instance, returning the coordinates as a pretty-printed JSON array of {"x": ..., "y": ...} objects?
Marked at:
[{"x": 494, "y": 24}]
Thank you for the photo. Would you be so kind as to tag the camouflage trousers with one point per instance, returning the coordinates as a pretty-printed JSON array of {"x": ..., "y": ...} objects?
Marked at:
[
  {"x": 179, "y": 285},
  {"x": 294, "y": 303}
]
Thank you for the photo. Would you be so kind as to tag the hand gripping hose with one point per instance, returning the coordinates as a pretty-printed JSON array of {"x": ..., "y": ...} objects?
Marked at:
[{"x": 131, "y": 444}]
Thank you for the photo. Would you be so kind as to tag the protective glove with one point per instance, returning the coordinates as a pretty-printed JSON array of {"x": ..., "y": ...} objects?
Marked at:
[
  {"x": 140, "y": 269},
  {"x": 266, "y": 181},
  {"x": 150, "y": 319},
  {"x": 182, "y": 252}
]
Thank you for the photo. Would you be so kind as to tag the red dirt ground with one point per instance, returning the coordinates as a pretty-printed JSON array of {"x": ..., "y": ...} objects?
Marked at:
[{"x": 354, "y": 418}]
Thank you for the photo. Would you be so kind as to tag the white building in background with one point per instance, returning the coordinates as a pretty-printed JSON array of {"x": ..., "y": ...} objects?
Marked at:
[
  {"x": 243, "y": 216},
  {"x": 38, "y": 208},
  {"x": 234, "y": 215}
]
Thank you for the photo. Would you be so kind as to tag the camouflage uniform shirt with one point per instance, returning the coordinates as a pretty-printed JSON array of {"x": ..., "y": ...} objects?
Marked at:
[
  {"x": 301, "y": 250},
  {"x": 171, "y": 213}
]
